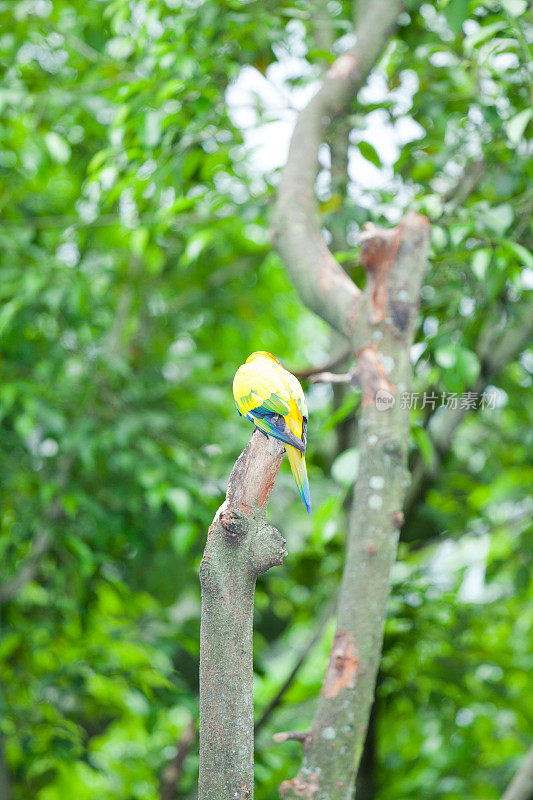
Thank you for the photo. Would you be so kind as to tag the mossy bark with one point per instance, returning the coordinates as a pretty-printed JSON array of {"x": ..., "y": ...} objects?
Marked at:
[
  {"x": 240, "y": 546},
  {"x": 396, "y": 263}
]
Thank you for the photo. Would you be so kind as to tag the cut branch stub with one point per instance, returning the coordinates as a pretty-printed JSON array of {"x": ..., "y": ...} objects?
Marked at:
[
  {"x": 287, "y": 736},
  {"x": 240, "y": 546},
  {"x": 234, "y": 523}
]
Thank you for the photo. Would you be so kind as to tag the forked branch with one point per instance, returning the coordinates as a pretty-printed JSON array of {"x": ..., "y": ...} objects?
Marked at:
[
  {"x": 322, "y": 283},
  {"x": 379, "y": 325}
]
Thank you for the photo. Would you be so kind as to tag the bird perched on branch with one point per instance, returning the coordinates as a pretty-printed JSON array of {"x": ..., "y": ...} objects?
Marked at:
[{"x": 274, "y": 401}]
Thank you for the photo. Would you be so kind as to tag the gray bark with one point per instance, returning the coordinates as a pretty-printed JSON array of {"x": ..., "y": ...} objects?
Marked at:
[
  {"x": 396, "y": 262},
  {"x": 322, "y": 283},
  {"x": 379, "y": 324},
  {"x": 521, "y": 787},
  {"x": 240, "y": 546}
]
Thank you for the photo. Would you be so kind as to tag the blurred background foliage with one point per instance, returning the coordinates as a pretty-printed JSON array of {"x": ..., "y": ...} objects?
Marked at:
[{"x": 137, "y": 274}]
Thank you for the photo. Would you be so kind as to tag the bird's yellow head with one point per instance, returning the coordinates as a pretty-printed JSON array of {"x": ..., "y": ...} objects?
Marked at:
[{"x": 261, "y": 354}]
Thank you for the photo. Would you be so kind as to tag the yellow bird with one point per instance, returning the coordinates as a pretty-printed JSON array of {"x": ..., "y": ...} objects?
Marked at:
[{"x": 273, "y": 400}]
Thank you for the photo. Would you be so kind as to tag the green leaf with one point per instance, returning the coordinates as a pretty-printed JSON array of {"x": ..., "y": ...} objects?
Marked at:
[
  {"x": 369, "y": 152},
  {"x": 182, "y": 537},
  {"x": 468, "y": 365},
  {"x": 515, "y": 7},
  {"x": 139, "y": 240},
  {"x": 58, "y": 147},
  {"x": 522, "y": 253},
  {"x": 456, "y": 12},
  {"x": 196, "y": 245},
  {"x": 97, "y": 160},
  {"x": 425, "y": 445},
  {"x": 446, "y": 357},
  {"x": 347, "y": 407},
  {"x": 439, "y": 238},
  {"x": 318, "y": 54},
  {"x": 179, "y": 500},
  {"x": 461, "y": 361},
  {"x": 480, "y": 261},
  {"x": 459, "y": 232},
  {"x": 152, "y": 128},
  {"x": 516, "y": 126},
  {"x": 345, "y": 468},
  {"x": 485, "y": 32},
  {"x": 498, "y": 218},
  {"x": 346, "y": 255},
  {"x": 7, "y": 314}
]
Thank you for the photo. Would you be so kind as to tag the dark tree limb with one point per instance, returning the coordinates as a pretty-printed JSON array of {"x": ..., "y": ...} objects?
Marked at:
[
  {"x": 365, "y": 787},
  {"x": 41, "y": 544},
  {"x": 280, "y": 694},
  {"x": 11, "y": 588},
  {"x": 240, "y": 546},
  {"x": 494, "y": 356},
  {"x": 521, "y": 787},
  {"x": 6, "y": 792},
  {"x": 174, "y": 769}
]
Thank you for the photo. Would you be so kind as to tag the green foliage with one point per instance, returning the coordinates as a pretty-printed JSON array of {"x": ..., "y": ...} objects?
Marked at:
[{"x": 136, "y": 275}]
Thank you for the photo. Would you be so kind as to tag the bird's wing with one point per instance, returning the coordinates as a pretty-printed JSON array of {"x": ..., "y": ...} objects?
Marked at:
[
  {"x": 262, "y": 395},
  {"x": 258, "y": 389},
  {"x": 297, "y": 393},
  {"x": 297, "y": 417}
]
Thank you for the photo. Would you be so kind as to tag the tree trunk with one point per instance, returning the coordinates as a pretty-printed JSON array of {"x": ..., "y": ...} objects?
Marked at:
[
  {"x": 521, "y": 787},
  {"x": 365, "y": 785},
  {"x": 379, "y": 324},
  {"x": 396, "y": 262}
]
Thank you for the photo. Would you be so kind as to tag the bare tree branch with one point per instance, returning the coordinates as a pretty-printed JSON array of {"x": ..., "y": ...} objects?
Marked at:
[
  {"x": 513, "y": 340},
  {"x": 27, "y": 571},
  {"x": 494, "y": 356},
  {"x": 322, "y": 283},
  {"x": 288, "y": 736},
  {"x": 174, "y": 770},
  {"x": 521, "y": 787},
  {"x": 309, "y": 372},
  {"x": 468, "y": 182},
  {"x": 278, "y": 697},
  {"x": 6, "y": 792},
  {"x": 240, "y": 546},
  {"x": 333, "y": 377}
]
